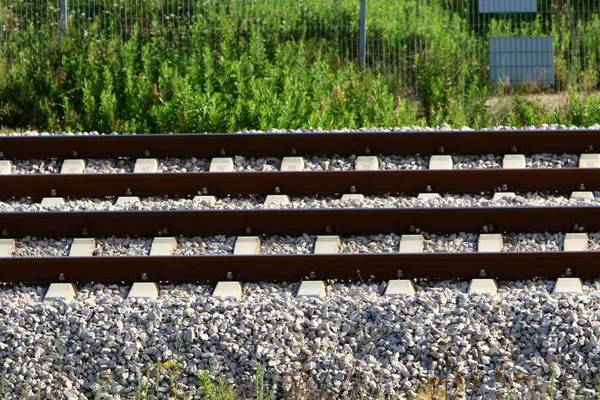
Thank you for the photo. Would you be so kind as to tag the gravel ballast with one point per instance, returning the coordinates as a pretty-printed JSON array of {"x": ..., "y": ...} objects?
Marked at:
[
  {"x": 256, "y": 202},
  {"x": 354, "y": 340}
]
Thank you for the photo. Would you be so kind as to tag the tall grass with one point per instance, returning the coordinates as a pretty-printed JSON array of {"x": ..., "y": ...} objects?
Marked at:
[{"x": 187, "y": 66}]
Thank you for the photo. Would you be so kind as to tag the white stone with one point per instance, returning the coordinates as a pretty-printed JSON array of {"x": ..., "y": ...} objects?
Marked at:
[
  {"x": 228, "y": 290},
  {"x": 277, "y": 199},
  {"x": 82, "y": 247},
  {"x": 245, "y": 245},
  {"x": 412, "y": 244},
  {"x": 514, "y": 161},
  {"x": 163, "y": 246},
  {"x": 7, "y": 247},
  {"x": 582, "y": 195},
  {"x": 122, "y": 200},
  {"x": 440, "y": 162},
  {"x": 483, "y": 286},
  {"x": 327, "y": 244},
  {"x": 366, "y": 163},
  {"x": 208, "y": 199},
  {"x": 292, "y": 164},
  {"x": 568, "y": 285},
  {"x": 221, "y": 164},
  {"x": 52, "y": 201},
  {"x": 61, "y": 291},
  {"x": 589, "y": 161},
  {"x": 5, "y": 167},
  {"x": 145, "y": 166},
  {"x": 399, "y": 287},
  {"x": 72, "y": 166},
  {"x": 576, "y": 242},
  {"x": 143, "y": 290},
  {"x": 311, "y": 289},
  {"x": 429, "y": 196},
  {"x": 490, "y": 243},
  {"x": 504, "y": 195},
  {"x": 353, "y": 197}
]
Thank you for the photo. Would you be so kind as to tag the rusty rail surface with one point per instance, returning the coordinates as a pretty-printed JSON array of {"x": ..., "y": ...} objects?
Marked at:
[
  {"x": 357, "y": 221},
  {"x": 300, "y": 183},
  {"x": 282, "y": 144},
  {"x": 295, "y": 267}
]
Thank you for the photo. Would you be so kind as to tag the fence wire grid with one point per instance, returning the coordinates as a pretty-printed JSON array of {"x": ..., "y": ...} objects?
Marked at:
[{"x": 403, "y": 37}]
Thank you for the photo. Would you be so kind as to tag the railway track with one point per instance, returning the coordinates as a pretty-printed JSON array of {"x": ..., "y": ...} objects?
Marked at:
[{"x": 258, "y": 222}]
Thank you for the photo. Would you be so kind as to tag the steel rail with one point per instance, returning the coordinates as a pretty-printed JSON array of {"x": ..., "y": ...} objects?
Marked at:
[
  {"x": 295, "y": 267},
  {"x": 357, "y": 221},
  {"x": 282, "y": 144},
  {"x": 300, "y": 183}
]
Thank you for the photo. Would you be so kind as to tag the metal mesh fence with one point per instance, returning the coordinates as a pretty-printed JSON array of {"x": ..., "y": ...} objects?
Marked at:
[{"x": 409, "y": 40}]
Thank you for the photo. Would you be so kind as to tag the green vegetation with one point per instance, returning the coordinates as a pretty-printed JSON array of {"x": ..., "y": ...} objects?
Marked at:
[{"x": 214, "y": 66}]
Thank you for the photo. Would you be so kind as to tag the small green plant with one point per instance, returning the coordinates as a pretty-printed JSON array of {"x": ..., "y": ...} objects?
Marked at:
[
  {"x": 215, "y": 389},
  {"x": 261, "y": 390}
]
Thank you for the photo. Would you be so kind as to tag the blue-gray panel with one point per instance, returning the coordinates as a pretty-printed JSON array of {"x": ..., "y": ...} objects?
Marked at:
[
  {"x": 522, "y": 59},
  {"x": 507, "y": 6}
]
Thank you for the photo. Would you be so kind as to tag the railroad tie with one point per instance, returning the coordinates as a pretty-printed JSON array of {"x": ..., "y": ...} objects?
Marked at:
[
  {"x": 61, "y": 291},
  {"x": 122, "y": 200},
  {"x": 221, "y": 164},
  {"x": 399, "y": 287},
  {"x": 514, "y": 161},
  {"x": 143, "y": 290},
  {"x": 428, "y": 196},
  {"x": 483, "y": 286},
  {"x": 327, "y": 244},
  {"x": 315, "y": 289},
  {"x": 366, "y": 163},
  {"x": 568, "y": 286},
  {"x": 228, "y": 290},
  {"x": 353, "y": 197},
  {"x": 209, "y": 200},
  {"x": 163, "y": 246},
  {"x": 576, "y": 242},
  {"x": 73, "y": 166},
  {"x": 490, "y": 243},
  {"x": 589, "y": 161},
  {"x": 52, "y": 201},
  {"x": 82, "y": 247},
  {"x": 292, "y": 164},
  {"x": 504, "y": 196},
  {"x": 582, "y": 195},
  {"x": 438, "y": 162},
  {"x": 5, "y": 167},
  {"x": 246, "y": 245},
  {"x": 411, "y": 244},
  {"x": 7, "y": 247},
  {"x": 276, "y": 199},
  {"x": 145, "y": 166}
]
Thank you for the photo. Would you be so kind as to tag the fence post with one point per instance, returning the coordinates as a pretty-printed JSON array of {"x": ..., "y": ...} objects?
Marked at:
[
  {"x": 362, "y": 34},
  {"x": 64, "y": 15}
]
